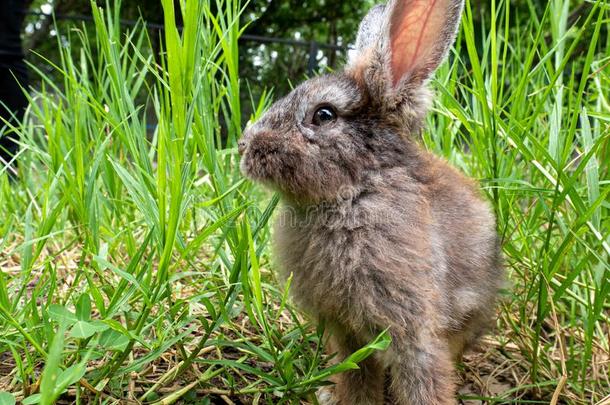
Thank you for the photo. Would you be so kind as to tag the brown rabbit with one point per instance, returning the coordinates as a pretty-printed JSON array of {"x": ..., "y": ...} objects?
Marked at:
[{"x": 377, "y": 232}]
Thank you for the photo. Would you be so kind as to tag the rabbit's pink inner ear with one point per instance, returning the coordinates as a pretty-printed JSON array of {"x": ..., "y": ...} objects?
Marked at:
[{"x": 417, "y": 30}]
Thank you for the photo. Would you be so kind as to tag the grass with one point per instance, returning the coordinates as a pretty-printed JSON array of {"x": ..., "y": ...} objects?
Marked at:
[{"x": 135, "y": 264}]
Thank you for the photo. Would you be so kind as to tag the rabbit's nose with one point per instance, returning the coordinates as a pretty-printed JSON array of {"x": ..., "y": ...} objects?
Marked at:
[{"x": 241, "y": 146}]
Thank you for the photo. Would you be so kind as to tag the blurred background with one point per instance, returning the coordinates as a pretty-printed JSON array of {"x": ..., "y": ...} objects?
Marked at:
[{"x": 284, "y": 40}]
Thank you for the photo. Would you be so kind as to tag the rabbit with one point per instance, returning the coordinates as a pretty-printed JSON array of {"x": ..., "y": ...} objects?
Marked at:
[{"x": 376, "y": 232}]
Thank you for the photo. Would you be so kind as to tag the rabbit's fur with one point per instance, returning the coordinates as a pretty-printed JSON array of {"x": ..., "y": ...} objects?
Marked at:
[{"x": 377, "y": 232}]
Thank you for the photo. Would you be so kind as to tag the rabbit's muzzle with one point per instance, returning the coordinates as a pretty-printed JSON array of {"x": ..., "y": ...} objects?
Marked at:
[
  {"x": 261, "y": 158},
  {"x": 241, "y": 147}
]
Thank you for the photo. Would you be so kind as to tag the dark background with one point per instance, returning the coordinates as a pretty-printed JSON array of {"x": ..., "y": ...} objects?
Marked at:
[{"x": 264, "y": 65}]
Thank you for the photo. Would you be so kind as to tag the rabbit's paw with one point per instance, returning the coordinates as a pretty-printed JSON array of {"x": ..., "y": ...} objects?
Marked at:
[{"x": 326, "y": 396}]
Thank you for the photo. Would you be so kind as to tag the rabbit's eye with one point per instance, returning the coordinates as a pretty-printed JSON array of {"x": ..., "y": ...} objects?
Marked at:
[{"x": 324, "y": 115}]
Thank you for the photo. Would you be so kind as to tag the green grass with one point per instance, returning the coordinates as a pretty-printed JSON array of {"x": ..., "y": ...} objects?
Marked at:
[{"x": 135, "y": 265}]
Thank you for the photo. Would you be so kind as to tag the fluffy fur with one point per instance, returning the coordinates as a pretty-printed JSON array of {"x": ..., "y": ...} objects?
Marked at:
[{"x": 376, "y": 231}]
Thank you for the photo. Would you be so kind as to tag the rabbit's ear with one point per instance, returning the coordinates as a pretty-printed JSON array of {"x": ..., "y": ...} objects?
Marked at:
[
  {"x": 369, "y": 30},
  {"x": 420, "y": 35},
  {"x": 404, "y": 42}
]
